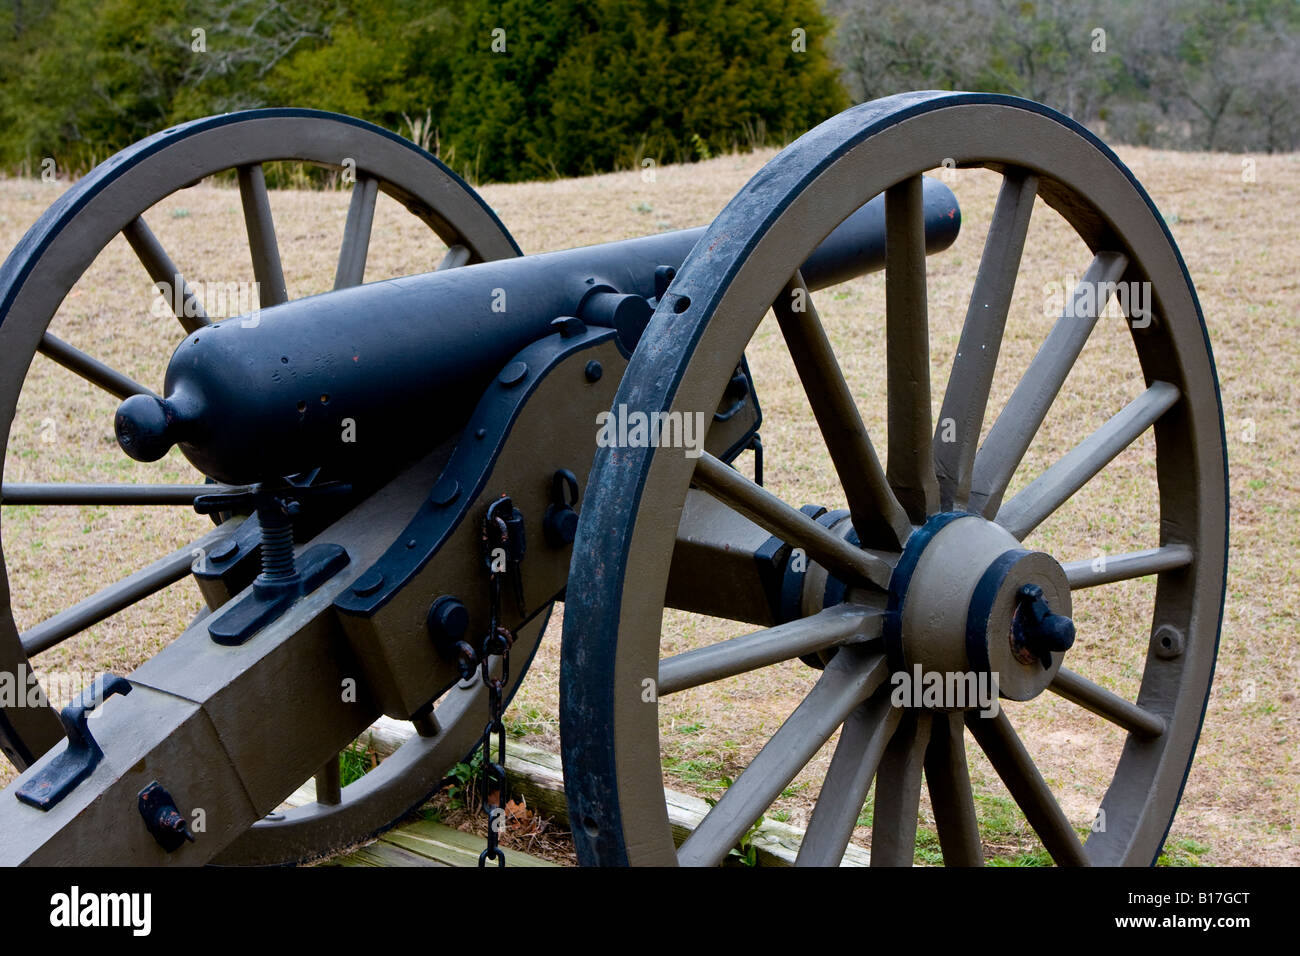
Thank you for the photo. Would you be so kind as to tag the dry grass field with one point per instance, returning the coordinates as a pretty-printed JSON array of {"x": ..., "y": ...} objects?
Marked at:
[{"x": 1242, "y": 801}]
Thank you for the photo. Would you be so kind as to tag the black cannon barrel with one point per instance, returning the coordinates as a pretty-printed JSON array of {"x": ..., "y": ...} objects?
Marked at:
[{"x": 361, "y": 377}]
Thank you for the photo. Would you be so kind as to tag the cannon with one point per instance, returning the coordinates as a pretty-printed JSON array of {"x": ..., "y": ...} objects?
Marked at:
[{"x": 404, "y": 476}]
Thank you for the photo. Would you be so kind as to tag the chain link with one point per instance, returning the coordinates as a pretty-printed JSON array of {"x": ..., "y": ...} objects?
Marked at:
[{"x": 496, "y": 644}]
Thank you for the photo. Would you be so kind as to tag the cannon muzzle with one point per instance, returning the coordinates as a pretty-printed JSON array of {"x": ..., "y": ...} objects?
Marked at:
[{"x": 361, "y": 379}]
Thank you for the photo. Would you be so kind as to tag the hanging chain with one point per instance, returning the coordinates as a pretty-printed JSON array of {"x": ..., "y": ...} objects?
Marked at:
[{"x": 503, "y": 546}]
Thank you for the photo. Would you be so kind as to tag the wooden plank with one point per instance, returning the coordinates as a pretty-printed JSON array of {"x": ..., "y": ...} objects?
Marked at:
[
  {"x": 441, "y": 842},
  {"x": 538, "y": 777},
  {"x": 448, "y": 852},
  {"x": 429, "y": 843},
  {"x": 301, "y": 797},
  {"x": 384, "y": 853}
]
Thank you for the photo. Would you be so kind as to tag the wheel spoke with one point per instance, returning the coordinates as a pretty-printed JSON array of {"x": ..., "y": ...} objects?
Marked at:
[
  {"x": 840, "y": 624},
  {"x": 329, "y": 783},
  {"x": 857, "y": 754},
  {"x": 456, "y": 257},
  {"x": 999, "y": 741},
  {"x": 878, "y": 516},
  {"x": 1104, "y": 703},
  {"x": 121, "y": 594},
  {"x": 164, "y": 273},
  {"x": 1016, "y": 425},
  {"x": 356, "y": 233},
  {"x": 1091, "y": 572},
  {"x": 951, "y": 796},
  {"x": 1023, "y": 513},
  {"x": 91, "y": 369},
  {"x": 911, "y": 461},
  {"x": 966, "y": 398},
  {"x": 261, "y": 236},
  {"x": 107, "y": 494},
  {"x": 789, "y": 524},
  {"x": 850, "y": 678},
  {"x": 898, "y": 792}
]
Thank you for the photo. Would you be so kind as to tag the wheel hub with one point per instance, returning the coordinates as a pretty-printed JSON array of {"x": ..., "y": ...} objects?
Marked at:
[{"x": 966, "y": 598}]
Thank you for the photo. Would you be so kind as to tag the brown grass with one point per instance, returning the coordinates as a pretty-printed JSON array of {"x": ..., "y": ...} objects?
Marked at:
[{"x": 1241, "y": 801}]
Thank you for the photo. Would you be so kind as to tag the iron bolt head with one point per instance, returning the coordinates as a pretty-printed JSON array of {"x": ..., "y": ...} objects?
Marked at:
[{"x": 449, "y": 619}]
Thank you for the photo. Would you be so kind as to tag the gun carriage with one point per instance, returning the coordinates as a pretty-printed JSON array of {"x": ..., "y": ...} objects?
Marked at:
[{"x": 480, "y": 491}]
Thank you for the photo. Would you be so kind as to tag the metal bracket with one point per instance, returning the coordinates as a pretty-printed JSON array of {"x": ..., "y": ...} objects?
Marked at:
[
  {"x": 230, "y": 565},
  {"x": 284, "y": 578},
  {"x": 503, "y": 538},
  {"x": 162, "y": 818},
  {"x": 560, "y": 522},
  {"x": 68, "y": 768},
  {"x": 269, "y": 599},
  {"x": 738, "y": 417}
]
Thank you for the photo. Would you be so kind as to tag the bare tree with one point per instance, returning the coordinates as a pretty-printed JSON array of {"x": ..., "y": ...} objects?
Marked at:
[
  {"x": 1270, "y": 93},
  {"x": 921, "y": 44},
  {"x": 1210, "y": 73},
  {"x": 260, "y": 33}
]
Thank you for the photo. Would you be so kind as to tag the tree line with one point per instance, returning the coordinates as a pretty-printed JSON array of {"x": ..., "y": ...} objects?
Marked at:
[
  {"x": 507, "y": 90},
  {"x": 524, "y": 89},
  {"x": 1183, "y": 74}
]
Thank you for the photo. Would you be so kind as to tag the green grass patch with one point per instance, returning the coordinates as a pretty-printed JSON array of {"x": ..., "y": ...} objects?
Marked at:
[
  {"x": 701, "y": 773},
  {"x": 928, "y": 851},
  {"x": 867, "y": 812},
  {"x": 1001, "y": 823},
  {"x": 1027, "y": 858},
  {"x": 354, "y": 762},
  {"x": 1186, "y": 852},
  {"x": 525, "y": 723}
]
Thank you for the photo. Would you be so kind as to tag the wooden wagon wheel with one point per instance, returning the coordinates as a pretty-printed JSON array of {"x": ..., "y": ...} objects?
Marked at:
[
  {"x": 54, "y": 254},
  {"x": 941, "y": 578}
]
